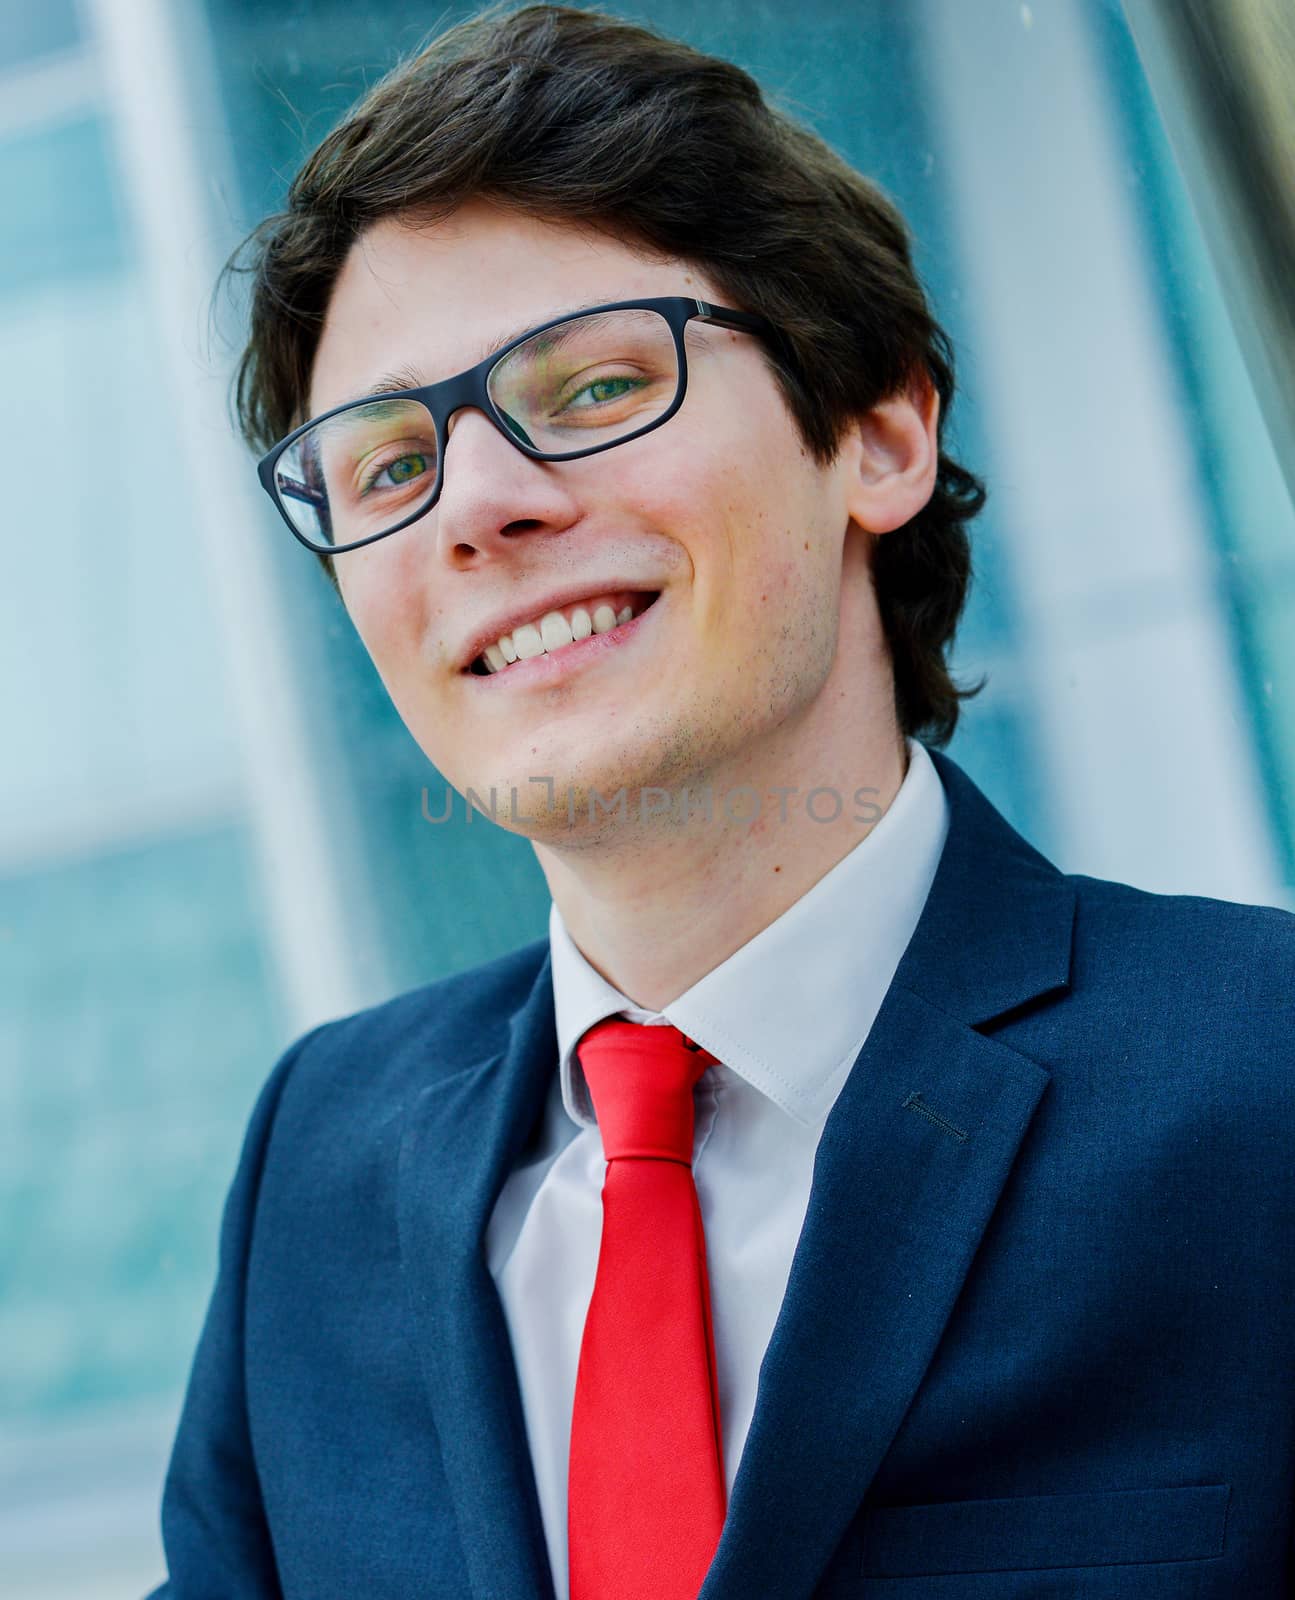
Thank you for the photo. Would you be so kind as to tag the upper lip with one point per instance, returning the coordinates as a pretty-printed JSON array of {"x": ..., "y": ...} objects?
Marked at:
[{"x": 531, "y": 611}]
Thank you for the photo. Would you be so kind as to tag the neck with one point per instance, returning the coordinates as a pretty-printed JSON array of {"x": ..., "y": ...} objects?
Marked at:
[{"x": 655, "y": 906}]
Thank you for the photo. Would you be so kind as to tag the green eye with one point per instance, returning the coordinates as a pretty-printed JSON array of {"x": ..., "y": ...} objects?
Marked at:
[
  {"x": 398, "y": 472},
  {"x": 601, "y": 390},
  {"x": 404, "y": 468}
]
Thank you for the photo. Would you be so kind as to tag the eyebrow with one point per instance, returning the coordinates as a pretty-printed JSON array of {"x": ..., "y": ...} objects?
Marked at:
[{"x": 409, "y": 377}]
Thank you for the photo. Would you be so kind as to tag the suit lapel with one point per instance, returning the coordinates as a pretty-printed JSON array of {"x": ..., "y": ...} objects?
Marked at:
[
  {"x": 462, "y": 1138},
  {"x": 913, "y": 1158}
]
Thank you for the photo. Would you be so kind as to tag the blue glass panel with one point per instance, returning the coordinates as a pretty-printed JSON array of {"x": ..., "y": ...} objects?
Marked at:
[
  {"x": 28, "y": 32},
  {"x": 62, "y": 211},
  {"x": 135, "y": 1026}
]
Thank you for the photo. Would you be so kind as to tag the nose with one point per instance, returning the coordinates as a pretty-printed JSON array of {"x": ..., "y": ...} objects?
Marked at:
[{"x": 492, "y": 494}]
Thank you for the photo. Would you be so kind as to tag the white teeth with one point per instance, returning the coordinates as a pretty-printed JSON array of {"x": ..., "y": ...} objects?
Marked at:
[
  {"x": 528, "y": 642},
  {"x": 555, "y": 630}
]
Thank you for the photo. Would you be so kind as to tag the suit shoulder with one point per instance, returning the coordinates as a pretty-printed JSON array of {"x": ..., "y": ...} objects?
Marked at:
[
  {"x": 1229, "y": 924},
  {"x": 481, "y": 998},
  {"x": 1222, "y": 962},
  {"x": 404, "y": 1043}
]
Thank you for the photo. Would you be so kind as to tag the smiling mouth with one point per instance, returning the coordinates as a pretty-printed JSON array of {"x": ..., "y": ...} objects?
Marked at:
[{"x": 566, "y": 629}]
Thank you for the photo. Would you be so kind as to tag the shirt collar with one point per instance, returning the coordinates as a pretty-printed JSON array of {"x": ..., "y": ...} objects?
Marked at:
[{"x": 791, "y": 1009}]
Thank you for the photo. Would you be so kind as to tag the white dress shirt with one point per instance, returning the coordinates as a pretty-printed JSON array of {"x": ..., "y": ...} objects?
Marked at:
[{"x": 786, "y": 1015}]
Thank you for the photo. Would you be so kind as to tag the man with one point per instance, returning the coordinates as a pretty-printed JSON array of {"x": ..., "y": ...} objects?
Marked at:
[{"x": 841, "y": 1200}]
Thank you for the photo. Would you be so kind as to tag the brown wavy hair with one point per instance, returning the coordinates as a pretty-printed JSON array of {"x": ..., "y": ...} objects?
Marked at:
[{"x": 579, "y": 117}]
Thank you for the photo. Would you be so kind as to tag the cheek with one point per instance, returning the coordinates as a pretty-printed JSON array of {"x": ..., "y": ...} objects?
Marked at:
[
  {"x": 386, "y": 604},
  {"x": 720, "y": 500},
  {"x": 721, "y": 461}
]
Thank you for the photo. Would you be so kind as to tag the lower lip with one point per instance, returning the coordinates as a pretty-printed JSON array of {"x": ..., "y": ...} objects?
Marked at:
[{"x": 541, "y": 671}]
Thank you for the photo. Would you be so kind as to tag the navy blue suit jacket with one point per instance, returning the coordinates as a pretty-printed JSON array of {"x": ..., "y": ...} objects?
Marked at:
[{"x": 1039, "y": 1333}]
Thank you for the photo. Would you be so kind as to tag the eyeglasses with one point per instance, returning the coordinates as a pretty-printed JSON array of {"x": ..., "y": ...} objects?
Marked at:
[{"x": 569, "y": 388}]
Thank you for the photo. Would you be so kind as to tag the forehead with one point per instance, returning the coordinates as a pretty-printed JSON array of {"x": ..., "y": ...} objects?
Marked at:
[{"x": 434, "y": 299}]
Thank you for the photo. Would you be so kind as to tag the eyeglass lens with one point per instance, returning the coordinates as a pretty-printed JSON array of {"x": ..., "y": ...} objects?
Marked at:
[{"x": 590, "y": 381}]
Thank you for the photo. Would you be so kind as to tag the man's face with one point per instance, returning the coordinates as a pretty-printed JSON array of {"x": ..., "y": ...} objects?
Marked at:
[{"x": 721, "y": 512}]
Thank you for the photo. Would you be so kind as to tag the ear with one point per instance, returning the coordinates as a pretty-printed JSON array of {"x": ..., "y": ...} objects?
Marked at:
[{"x": 893, "y": 457}]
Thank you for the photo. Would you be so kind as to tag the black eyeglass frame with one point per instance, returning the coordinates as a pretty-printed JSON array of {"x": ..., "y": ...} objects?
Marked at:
[{"x": 470, "y": 389}]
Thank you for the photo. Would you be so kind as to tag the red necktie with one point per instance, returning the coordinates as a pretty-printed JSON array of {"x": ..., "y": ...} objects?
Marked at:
[{"x": 645, "y": 1492}]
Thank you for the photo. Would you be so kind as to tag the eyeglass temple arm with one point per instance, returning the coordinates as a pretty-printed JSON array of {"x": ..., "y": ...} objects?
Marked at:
[
  {"x": 293, "y": 490},
  {"x": 733, "y": 319}
]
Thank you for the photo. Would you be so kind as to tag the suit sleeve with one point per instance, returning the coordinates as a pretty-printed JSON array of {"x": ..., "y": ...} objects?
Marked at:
[{"x": 214, "y": 1530}]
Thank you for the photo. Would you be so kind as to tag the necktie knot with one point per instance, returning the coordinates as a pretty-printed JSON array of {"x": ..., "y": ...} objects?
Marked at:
[{"x": 641, "y": 1079}]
